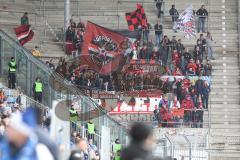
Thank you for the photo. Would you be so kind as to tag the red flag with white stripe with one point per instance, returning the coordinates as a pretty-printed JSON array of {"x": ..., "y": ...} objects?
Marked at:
[
  {"x": 24, "y": 34},
  {"x": 104, "y": 50}
]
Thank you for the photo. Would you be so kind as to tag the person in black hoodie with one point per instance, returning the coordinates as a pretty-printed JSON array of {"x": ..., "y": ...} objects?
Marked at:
[
  {"x": 174, "y": 13},
  {"x": 202, "y": 15},
  {"x": 159, "y": 7},
  {"x": 141, "y": 143}
]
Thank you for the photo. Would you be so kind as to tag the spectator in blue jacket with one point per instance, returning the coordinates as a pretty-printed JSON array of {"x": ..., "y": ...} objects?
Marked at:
[
  {"x": 206, "y": 90},
  {"x": 20, "y": 141}
]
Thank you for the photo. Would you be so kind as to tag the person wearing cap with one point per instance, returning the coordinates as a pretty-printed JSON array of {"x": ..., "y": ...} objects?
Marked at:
[
  {"x": 174, "y": 13},
  {"x": 38, "y": 90},
  {"x": 12, "y": 65},
  {"x": 24, "y": 19},
  {"x": 117, "y": 146}
]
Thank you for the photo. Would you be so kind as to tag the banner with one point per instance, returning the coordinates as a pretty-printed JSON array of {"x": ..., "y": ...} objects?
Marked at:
[
  {"x": 186, "y": 23},
  {"x": 136, "y": 19},
  {"x": 24, "y": 34},
  {"x": 143, "y": 105},
  {"x": 103, "y": 49}
]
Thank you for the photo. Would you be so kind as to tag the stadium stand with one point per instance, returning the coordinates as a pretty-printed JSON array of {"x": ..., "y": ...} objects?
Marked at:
[{"x": 223, "y": 121}]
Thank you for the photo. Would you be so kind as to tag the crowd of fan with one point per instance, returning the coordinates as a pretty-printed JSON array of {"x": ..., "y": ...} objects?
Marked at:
[
  {"x": 186, "y": 108},
  {"x": 83, "y": 147},
  {"x": 10, "y": 102},
  {"x": 8, "y": 105},
  {"x": 127, "y": 81},
  {"x": 74, "y": 36}
]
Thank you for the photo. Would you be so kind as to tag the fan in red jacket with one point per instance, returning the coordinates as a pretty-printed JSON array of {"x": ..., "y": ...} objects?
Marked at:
[
  {"x": 187, "y": 103},
  {"x": 192, "y": 65},
  {"x": 177, "y": 72},
  {"x": 165, "y": 115},
  {"x": 176, "y": 57},
  {"x": 186, "y": 83}
]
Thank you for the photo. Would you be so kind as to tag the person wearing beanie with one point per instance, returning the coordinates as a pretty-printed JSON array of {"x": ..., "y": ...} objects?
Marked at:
[
  {"x": 20, "y": 141},
  {"x": 23, "y": 141}
]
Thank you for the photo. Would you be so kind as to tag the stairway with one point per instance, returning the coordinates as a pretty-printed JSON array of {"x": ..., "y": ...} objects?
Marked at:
[
  {"x": 11, "y": 12},
  {"x": 222, "y": 23},
  {"x": 225, "y": 103}
]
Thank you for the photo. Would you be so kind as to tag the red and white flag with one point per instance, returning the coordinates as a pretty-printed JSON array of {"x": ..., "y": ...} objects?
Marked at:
[
  {"x": 24, "y": 34},
  {"x": 186, "y": 23}
]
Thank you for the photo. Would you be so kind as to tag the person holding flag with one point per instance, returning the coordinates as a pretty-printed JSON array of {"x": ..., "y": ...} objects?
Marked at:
[{"x": 24, "y": 32}]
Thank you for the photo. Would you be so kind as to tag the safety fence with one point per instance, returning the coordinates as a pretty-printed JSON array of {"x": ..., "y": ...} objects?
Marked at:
[
  {"x": 188, "y": 145},
  {"x": 55, "y": 88}
]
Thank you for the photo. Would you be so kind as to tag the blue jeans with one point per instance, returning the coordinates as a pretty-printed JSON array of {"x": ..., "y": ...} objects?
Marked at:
[
  {"x": 201, "y": 24},
  {"x": 145, "y": 36},
  {"x": 158, "y": 39},
  {"x": 210, "y": 52}
]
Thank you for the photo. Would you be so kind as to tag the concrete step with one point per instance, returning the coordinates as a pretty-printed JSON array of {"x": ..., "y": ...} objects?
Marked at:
[
  {"x": 225, "y": 126},
  {"x": 223, "y": 106},
  {"x": 225, "y": 111},
  {"x": 224, "y": 95}
]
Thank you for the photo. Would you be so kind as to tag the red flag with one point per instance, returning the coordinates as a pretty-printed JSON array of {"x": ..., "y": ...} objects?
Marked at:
[
  {"x": 24, "y": 34},
  {"x": 103, "y": 49}
]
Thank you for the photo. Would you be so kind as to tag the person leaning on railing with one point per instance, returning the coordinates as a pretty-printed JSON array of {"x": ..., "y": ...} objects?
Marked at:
[
  {"x": 36, "y": 52},
  {"x": 202, "y": 15}
]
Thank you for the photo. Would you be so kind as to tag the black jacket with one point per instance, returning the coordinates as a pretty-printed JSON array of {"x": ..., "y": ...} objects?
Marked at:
[
  {"x": 159, "y": 3},
  {"x": 174, "y": 13},
  {"x": 136, "y": 152},
  {"x": 158, "y": 29},
  {"x": 202, "y": 12}
]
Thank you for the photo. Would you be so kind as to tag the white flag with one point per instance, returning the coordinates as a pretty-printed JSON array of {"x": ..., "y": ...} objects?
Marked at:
[{"x": 186, "y": 23}]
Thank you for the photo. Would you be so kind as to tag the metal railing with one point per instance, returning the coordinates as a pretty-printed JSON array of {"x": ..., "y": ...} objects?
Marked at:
[
  {"x": 29, "y": 68},
  {"x": 180, "y": 146},
  {"x": 79, "y": 128}
]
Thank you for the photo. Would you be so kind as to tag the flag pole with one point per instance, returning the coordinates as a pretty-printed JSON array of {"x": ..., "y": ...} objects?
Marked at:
[{"x": 66, "y": 19}]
